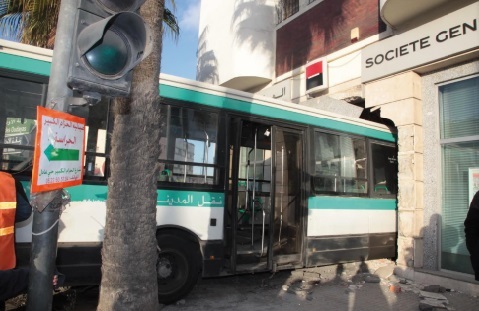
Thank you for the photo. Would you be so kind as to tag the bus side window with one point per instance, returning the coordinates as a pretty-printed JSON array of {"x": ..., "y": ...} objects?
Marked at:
[
  {"x": 340, "y": 164},
  {"x": 385, "y": 169},
  {"x": 97, "y": 140},
  {"x": 165, "y": 175},
  {"x": 18, "y": 102},
  {"x": 188, "y": 146}
]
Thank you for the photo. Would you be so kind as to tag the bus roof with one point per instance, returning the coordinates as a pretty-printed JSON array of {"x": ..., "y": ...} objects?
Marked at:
[
  {"x": 226, "y": 98},
  {"x": 31, "y": 59}
]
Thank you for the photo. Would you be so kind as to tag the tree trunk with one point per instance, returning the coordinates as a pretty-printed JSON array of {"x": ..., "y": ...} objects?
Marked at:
[{"x": 129, "y": 251}]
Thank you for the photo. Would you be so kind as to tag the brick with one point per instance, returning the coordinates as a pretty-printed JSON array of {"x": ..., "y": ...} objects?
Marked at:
[
  {"x": 395, "y": 288},
  {"x": 324, "y": 29}
]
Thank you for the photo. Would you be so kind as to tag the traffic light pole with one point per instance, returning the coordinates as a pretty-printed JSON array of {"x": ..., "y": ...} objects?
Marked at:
[{"x": 45, "y": 219}]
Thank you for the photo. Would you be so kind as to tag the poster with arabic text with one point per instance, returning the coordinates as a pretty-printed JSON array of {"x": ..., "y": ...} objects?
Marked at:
[{"x": 59, "y": 150}]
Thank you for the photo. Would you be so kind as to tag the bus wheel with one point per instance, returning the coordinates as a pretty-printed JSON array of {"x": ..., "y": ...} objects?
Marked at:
[{"x": 178, "y": 267}]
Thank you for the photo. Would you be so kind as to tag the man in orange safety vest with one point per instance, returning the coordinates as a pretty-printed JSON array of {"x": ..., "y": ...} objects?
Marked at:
[
  {"x": 14, "y": 207},
  {"x": 8, "y": 206}
]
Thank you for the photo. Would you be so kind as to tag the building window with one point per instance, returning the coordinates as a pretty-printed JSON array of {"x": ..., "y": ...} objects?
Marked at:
[
  {"x": 286, "y": 9},
  {"x": 459, "y": 126}
]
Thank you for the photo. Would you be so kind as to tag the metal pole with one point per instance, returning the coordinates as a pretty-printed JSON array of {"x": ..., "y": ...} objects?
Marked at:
[
  {"x": 45, "y": 222},
  {"x": 254, "y": 185}
]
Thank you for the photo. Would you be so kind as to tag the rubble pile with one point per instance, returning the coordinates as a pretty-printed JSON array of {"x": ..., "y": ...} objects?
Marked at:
[{"x": 353, "y": 277}]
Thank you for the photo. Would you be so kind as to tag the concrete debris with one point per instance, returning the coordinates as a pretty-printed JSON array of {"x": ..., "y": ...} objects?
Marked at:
[
  {"x": 358, "y": 278},
  {"x": 428, "y": 304},
  {"x": 396, "y": 279},
  {"x": 435, "y": 289},
  {"x": 302, "y": 292},
  {"x": 365, "y": 278},
  {"x": 436, "y": 296},
  {"x": 385, "y": 272},
  {"x": 311, "y": 276},
  {"x": 372, "y": 279},
  {"x": 395, "y": 288},
  {"x": 353, "y": 278},
  {"x": 431, "y": 301},
  {"x": 180, "y": 302}
]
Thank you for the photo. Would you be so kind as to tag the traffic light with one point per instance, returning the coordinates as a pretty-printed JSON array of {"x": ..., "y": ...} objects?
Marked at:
[{"x": 109, "y": 40}]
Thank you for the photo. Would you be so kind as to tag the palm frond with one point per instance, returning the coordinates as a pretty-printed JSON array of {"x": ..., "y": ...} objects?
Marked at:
[
  {"x": 11, "y": 27},
  {"x": 40, "y": 22},
  {"x": 14, "y": 6},
  {"x": 171, "y": 22},
  {"x": 40, "y": 17},
  {"x": 4, "y": 7}
]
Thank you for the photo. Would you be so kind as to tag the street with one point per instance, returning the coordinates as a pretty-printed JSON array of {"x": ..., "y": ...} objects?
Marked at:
[{"x": 351, "y": 287}]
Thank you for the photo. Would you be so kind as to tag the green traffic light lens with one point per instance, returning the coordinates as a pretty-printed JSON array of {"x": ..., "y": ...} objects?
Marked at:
[{"x": 110, "y": 55}]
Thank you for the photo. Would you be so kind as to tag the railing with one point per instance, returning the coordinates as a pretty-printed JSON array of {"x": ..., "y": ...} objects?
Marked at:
[{"x": 286, "y": 8}]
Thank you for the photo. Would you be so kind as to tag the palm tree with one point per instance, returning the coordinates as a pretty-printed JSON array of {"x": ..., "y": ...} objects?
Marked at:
[
  {"x": 34, "y": 22},
  {"x": 130, "y": 230},
  {"x": 129, "y": 253}
]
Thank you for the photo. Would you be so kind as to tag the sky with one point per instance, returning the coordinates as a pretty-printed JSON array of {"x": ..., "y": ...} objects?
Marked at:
[{"x": 179, "y": 58}]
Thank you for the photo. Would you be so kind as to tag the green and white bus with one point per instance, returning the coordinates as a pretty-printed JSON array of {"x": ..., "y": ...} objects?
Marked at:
[{"x": 247, "y": 183}]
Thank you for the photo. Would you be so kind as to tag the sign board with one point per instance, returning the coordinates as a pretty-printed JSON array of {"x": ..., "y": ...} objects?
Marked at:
[
  {"x": 449, "y": 35},
  {"x": 59, "y": 150},
  {"x": 473, "y": 182},
  {"x": 316, "y": 76},
  {"x": 19, "y": 132}
]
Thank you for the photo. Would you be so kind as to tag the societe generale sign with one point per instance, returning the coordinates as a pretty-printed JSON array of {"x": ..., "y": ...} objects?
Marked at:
[{"x": 454, "y": 33}]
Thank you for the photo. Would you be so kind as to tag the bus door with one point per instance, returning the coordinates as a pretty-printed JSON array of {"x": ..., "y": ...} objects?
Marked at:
[
  {"x": 252, "y": 204},
  {"x": 287, "y": 198},
  {"x": 256, "y": 226}
]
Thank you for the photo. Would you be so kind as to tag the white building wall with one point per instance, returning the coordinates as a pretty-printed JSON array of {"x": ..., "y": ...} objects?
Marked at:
[
  {"x": 237, "y": 47},
  {"x": 236, "y": 39},
  {"x": 343, "y": 76}
]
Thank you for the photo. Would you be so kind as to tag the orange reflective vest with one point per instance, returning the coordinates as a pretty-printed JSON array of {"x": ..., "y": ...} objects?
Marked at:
[{"x": 8, "y": 204}]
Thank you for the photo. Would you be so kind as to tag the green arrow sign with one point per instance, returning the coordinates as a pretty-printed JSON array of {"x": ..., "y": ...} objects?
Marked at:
[{"x": 55, "y": 154}]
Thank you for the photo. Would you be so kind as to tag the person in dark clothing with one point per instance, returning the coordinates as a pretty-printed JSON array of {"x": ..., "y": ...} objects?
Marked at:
[
  {"x": 24, "y": 209},
  {"x": 471, "y": 228}
]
